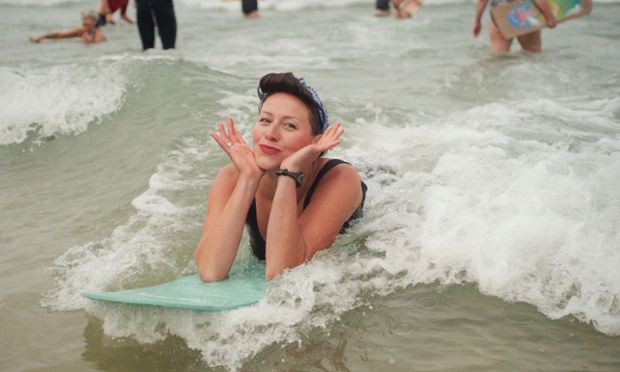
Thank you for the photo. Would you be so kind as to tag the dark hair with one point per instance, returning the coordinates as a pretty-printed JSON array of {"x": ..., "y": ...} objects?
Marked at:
[{"x": 286, "y": 82}]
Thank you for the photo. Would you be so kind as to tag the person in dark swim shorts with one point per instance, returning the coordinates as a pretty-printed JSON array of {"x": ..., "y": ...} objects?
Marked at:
[
  {"x": 382, "y": 8},
  {"x": 249, "y": 8},
  {"x": 160, "y": 14}
]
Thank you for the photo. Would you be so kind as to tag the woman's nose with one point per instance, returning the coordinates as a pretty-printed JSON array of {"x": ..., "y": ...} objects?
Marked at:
[{"x": 273, "y": 132}]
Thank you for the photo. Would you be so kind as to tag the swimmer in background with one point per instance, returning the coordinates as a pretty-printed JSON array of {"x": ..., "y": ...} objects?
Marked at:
[
  {"x": 531, "y": 42},
  {"x": 88, "y": 33},
  {"x": 107, "y": 8}
]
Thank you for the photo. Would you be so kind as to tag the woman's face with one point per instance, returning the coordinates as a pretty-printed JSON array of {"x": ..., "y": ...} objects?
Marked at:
[
  {"x": 88, "y": 22},
  {"x": 283, "y": 127}
]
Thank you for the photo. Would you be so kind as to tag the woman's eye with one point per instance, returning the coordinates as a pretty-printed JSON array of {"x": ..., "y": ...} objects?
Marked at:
[{"x": 290, "y": 125}]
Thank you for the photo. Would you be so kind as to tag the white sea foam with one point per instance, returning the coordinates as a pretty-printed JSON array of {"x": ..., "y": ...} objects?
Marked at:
[
  {"x": 453, "y": 201},
  {"x": 59, "y": 100}
]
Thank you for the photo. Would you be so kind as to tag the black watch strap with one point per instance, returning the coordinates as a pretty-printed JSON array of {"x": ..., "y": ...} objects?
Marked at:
[{"x": 298, "y": 177}]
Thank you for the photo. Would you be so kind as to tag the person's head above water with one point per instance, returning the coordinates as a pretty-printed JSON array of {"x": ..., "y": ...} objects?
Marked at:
[
  {"x": 287, "y": 83},
  {"x": 89, "y": 17},
  {"x": 90, "y": 13}
]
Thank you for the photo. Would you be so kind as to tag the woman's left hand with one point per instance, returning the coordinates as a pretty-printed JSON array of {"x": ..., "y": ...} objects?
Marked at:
[{"x": 328, "y": 140}]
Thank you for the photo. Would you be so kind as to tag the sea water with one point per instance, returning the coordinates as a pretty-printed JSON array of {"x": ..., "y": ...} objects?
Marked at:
[{"x": 490, "y": 239}]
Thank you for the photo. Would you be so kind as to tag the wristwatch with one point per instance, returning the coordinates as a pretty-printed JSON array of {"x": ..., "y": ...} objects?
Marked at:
[{"x": 298, "y": 177}]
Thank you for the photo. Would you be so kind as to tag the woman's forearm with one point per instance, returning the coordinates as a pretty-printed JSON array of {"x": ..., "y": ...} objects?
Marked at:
[
  {"x": 546, "y": 10},
  {"x": 480, "y": 6},
  {"x": 285, "y": 245},
  {"x": 222, "y": 233}
]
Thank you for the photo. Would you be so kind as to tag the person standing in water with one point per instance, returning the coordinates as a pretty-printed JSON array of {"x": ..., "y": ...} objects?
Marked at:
[
  {"x": 88, "y": 33},
  {"x": 382, "y": 8},
  {"x": 249, "y": 8},
  {"x": 294, "y": 201},
  {"x": 531, "y": 42},
  {"x": 160, "y": 14}
]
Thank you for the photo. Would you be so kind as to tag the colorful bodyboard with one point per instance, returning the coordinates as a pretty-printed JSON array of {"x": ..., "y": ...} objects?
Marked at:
[
  {"x": 522, "y": 17},
  {"x": 190, "y": 292}
]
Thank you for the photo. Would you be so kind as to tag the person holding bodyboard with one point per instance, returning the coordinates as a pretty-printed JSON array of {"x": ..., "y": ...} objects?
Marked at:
[
  {"x": 294, "y": 201},
  {"x": 525, "y": 16},
  {"x": 531, "y": 42}
]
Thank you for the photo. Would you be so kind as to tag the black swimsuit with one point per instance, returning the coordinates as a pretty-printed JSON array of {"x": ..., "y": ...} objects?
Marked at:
[{"x": 256, "y": 240}]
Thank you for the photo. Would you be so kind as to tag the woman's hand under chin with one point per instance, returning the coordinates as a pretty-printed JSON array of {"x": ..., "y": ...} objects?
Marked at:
[
  {"x": 237, "y": 150},
  {"x": 308, "y": 154}
]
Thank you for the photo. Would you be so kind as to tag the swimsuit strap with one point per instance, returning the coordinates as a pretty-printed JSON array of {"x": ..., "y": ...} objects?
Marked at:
[{"x": 329, "y": 165}]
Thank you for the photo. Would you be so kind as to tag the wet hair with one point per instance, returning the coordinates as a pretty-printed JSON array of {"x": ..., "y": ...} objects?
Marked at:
[
  {"x": 287, "y": 83},
  {"x": 90, "y": 13}
]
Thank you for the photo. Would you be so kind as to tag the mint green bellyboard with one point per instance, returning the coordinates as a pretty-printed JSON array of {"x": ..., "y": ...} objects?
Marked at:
[{"x": 239, "y": 289}]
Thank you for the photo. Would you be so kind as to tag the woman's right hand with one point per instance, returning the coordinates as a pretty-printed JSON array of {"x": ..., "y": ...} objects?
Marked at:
[
  {"x": 476, "y": 29},
  {"x": 237, "y": 149}
]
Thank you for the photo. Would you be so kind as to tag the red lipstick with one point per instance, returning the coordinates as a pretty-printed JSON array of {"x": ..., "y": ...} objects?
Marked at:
[{"x": 268, "y": 149}]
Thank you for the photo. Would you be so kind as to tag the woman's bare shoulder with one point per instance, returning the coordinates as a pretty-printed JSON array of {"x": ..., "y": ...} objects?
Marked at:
[
  {"x": 228, "y": 173},
  {"x": 343, "y": 172}
]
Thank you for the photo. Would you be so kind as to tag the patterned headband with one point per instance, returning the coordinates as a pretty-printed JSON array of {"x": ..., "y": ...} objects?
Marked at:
[{"x": 322, "y": 111}]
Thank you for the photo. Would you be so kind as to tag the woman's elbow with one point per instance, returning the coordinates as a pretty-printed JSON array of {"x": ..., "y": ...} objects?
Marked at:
[
  {"x": 206, "y": 273},
  {"x": 269, "y": 275},
  {"x": 274, "y": 271},
  {"x": 208, "y": 277}
]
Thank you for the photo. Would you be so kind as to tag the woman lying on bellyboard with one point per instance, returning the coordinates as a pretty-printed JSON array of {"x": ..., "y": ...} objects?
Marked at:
[{"x": 293, "y": 200}]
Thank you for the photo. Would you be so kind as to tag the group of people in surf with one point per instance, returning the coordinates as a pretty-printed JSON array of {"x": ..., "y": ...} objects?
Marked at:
[
  {"x": 531, "y": 42},
  {"x": 150, "y": 14}
]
